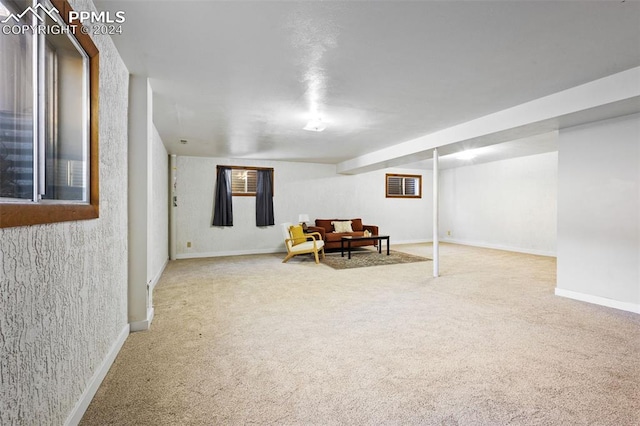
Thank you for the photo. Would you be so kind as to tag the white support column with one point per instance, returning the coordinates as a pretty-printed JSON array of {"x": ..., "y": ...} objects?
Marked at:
[
  {"x": 173, "y": 204},
  {"x": 436, "y": 242}
]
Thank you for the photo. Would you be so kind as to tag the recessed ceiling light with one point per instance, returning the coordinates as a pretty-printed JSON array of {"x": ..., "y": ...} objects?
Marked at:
[{"x": 315, "y": 126}]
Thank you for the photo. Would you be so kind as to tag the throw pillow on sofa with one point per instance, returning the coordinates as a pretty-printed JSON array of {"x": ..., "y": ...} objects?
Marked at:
[{"x": 341, "y": 227}]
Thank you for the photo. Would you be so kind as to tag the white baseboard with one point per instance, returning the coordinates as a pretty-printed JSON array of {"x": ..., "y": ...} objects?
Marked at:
[
  {"x": 420, "y": 241},
  {"x": 145, "y": 324},
  {"x": 229, "y": 253},
  {"x": 152, "y": 285},
  {"x": 155, "y": 279},
  {"x": 85, "y": 399},
  {"x": 409, "y": 242},
  {"x": 499, "y": 247},
  {"x": 266, "y": 251},
  {"x": 597, "y": 300}
]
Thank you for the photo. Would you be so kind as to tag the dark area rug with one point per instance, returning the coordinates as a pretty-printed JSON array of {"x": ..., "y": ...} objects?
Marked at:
[{"x": 364, "y": 258}]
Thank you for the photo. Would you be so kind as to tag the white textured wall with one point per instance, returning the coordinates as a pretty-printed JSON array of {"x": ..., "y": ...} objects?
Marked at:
[
  {"x": 509, "y": 204},
  {"x": 63, "y": 287},
  {"x": 158, "y": 250},
  {"x": 599, "y": 211},
  {"x": 314, "y": 189}
]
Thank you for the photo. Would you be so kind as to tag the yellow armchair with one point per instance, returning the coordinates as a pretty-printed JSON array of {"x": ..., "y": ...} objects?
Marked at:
[{"x": 297, "y": 242}]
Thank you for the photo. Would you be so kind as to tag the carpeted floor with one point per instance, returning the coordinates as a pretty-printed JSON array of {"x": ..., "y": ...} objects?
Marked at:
[{"x": 250, "y": 340}]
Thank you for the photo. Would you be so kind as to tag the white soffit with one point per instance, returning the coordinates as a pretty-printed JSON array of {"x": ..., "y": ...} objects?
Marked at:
[
  {"x": 533, "y": 145},
  {"x": 608, "y": 97}
]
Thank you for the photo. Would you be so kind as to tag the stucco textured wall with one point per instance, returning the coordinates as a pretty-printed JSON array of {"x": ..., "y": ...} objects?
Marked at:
[{"x": 63, "y": 287}]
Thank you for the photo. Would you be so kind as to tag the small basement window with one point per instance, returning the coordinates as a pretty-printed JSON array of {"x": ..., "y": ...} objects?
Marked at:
[
  {"x": 244, "y": 180},
  {"x": 48, "y": 117},
  {"x": 403, "y": 186}
]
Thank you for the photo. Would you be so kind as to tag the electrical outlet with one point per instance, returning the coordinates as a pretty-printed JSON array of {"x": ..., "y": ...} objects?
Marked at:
[
  {"x": 448, "y": 233},
  {"x": 188, "y": 243}
]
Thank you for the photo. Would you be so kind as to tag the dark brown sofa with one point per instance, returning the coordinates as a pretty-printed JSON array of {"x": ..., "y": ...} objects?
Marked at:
[{"x": 332, "y": 239}]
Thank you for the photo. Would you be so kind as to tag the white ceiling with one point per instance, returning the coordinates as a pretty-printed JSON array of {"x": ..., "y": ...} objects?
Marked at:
[{"x": 240, "y": 79}]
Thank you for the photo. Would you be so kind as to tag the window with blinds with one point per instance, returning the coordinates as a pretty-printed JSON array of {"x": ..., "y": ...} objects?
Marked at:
[
  {"x": 48, "y": 120},
  {"x": 244, "y": 181},
  {"x": 403, "y": 186}
]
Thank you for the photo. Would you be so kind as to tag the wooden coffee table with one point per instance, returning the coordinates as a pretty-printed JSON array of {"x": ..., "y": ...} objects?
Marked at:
[{"x": 348, "y": 240}]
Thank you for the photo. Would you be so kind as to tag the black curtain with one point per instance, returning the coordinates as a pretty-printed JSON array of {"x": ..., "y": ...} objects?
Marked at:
[
  {"x": 223, "y": 210},
  {"x": 264, "y": 198}
]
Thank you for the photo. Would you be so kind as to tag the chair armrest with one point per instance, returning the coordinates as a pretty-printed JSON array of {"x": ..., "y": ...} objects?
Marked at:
[
  {"x": 371, "y": 228},
  {"x": 317, "y": 230},
  {"x": 313, "y": 235},
  {"x": 308, "y": 236}
]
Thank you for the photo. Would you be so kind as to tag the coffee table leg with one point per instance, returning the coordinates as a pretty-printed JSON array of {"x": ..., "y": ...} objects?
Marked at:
[
  {"x": 349, "y": 248},
  {"x": 341, "y": 248},
  {"x": 387, "y": 246},
  {"x": 380, "y": 246}
]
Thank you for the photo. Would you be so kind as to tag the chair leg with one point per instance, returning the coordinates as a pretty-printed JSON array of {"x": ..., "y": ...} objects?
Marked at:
[
  {"x": 315, "y": 253},
  {"x": 323, "y": 252},
  {"x": 289, "y": 256}
]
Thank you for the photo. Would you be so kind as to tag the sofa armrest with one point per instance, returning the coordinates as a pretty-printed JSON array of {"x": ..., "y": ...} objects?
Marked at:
[
  {"x": 371, "y": 228},
  {"x": 319, "y": 229}
]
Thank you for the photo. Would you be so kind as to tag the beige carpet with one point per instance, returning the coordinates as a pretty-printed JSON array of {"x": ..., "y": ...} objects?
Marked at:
[{"x": 249, "y": 340}]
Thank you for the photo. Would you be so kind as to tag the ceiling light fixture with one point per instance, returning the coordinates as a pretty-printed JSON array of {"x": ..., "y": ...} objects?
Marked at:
[
  {"x": 315, "y": 125},
  {"x": 466, "y": 155}
]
